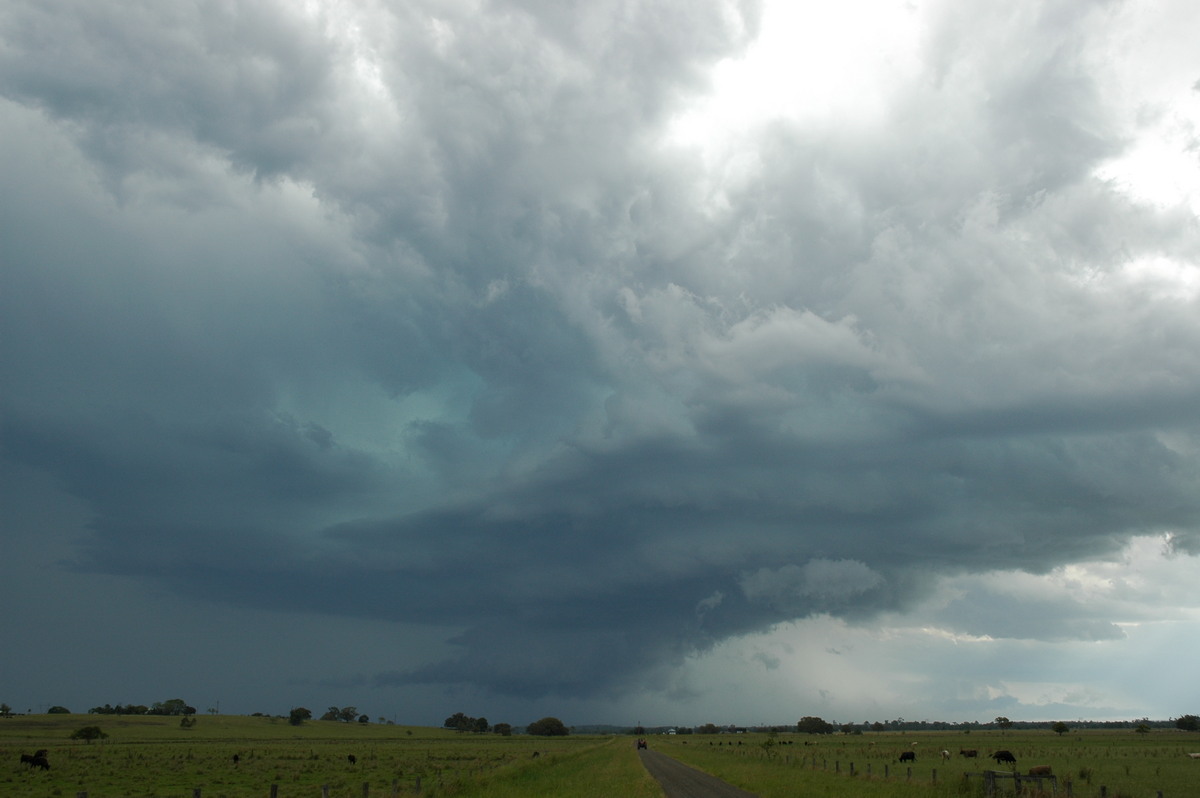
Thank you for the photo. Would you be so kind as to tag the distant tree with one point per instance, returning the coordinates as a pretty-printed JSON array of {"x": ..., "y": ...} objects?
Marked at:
[
  {"x": 547, "y": 727},
  {"x": 1003, "y": 722},
  {"x": 708, "y": 728},
  {"x": 333, "y": 713},
  {"x": 1142, "y": 728},
  {"x": 348, "y": 714},
  {"x": 459, "y": 722},
  {"x": 811, "y": 725},
  {"x": 174, "y": 706},
  {"x": 1060, "y": 728},
  {"x": 5, "y": 711},
  {"x": 57, "y": 710},
  {"x": 639, "y": 730},
  {"x": 88, "y": 733},
  {"x": 480, "y": 726},
  {"x": 1188, "y": 723},
  {"x": 298, "y": 715},
  {"x": 503, "y": 729}
]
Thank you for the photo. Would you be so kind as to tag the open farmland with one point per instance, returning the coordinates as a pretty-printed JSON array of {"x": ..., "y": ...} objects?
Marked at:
[
  {"x": 1127, "y": 764},
  {"x": 155, "y": 756}
]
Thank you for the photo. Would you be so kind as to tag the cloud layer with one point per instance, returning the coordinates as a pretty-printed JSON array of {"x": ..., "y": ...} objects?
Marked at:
[{"x": 426, "y": 316}]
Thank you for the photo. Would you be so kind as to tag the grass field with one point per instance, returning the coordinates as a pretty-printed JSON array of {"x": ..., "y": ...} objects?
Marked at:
[
  {"x": 1124, "y": 763},
  {"x": 155, "y": 757}
]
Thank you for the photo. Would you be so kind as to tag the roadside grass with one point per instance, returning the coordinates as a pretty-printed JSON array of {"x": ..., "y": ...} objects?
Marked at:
[
  {"x": 609, "y": 769},
  {"x": 1126, "y": 764}
]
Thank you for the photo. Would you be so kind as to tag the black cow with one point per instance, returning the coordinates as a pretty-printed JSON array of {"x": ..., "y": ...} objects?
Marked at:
[
  {"x": 1004, "y": 756},
  {"x": 908, "y": 756},
  {"x": 969, "y": 753},
  {"x": 37, "y": 760},
  {"x": 352, "y": 759}
]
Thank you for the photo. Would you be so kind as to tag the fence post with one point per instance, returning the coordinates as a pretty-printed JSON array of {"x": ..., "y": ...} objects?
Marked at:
[
  {"x": 935, "y": 776},
  {"x": 274, "y": 791},
  {"x": 196, "y": 792},
  {"x": 1103, "y": 791},
  {"x": 851, "y": 768},
  {"x": 366, "y": 789},
  {"x": 908, "y": 776},
  {"x": 417, "y": 788},
  {"x": 324, "y": 791},
  {"x": 395, "y": 788}
]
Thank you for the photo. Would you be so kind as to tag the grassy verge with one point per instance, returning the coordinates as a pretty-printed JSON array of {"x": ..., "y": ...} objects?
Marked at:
[{"x": 602, "y": 771}]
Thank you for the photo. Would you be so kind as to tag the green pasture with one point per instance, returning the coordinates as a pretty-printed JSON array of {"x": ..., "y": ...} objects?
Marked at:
[
  {"x": 1127, "y": 764},
  {"x": 156, "y": 757}
]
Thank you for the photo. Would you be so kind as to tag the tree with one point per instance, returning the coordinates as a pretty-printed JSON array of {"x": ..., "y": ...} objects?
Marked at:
[
  {"x": 708, "y": 728},
  {"x": 459, "y": 722},
  {"x": 298, "y": 715},
  {"x": 1188, "y": 723},
  {"x": 810, "y": 725},
  {"x": 57, "y": 710},
  {"x": 88, "y": 733},
  {"x": 5, "y": 711},
  {"x": 1003, "y": 722},
  {"x": 480, "y": 726},
  {"x": 503, "y": 729},
  {"x": 547, "y": 727},
  {"x": 1060, "y": 728}
]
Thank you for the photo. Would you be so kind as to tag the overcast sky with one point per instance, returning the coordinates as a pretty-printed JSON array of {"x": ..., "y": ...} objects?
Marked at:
[{"x": 680, "y": 361}]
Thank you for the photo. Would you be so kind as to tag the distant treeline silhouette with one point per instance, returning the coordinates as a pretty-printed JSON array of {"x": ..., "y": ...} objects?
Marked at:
[{"x": 174, "y": 706}]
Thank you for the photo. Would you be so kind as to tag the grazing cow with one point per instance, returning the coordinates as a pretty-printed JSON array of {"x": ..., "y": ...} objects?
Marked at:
[
  {"x": 37, "y": 760},
  {"x": 969, "y": 753},
  {"x": 352, "y": 759},
  {"x": 535, "y": 755},
  {"x": 1041, "y": 770},
  {"x": 236, "y": 759},
  {"x": 1004, "y": 756},
  {"x": 1194, "y": 756},
  {"x": 945, "y": 755},
  {"x": 908, "y": 756}
]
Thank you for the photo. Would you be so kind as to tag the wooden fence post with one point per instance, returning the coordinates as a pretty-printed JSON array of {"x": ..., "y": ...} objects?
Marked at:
[
  {"x": 366, "y": 789},
  {"x": 196, "y": 792},
  {"x": 274, "y": 791},
  {"x": 324, "y": 791}
]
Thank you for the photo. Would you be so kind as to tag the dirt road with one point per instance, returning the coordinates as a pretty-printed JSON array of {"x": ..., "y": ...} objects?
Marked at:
[{"x": 680, "y": 781}]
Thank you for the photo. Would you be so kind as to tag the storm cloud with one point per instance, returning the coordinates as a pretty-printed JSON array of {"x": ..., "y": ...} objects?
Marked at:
[{"x": 425, "y": 315}]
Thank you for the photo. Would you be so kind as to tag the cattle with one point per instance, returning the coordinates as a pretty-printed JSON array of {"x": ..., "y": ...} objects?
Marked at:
[
  {"x": 236, "y": 759},
  {"x": 945, "y": 755},
  {"x": 969, "y": 753},
  {"x": 352, "y": 759},
  {"x": 1194, "y": 756},
  {"x": 1041, "y": 770},
  {"x": 1004, "y": 756},
  {"x": 36, "y": 760},
  {"x": 908, "y": 756}
]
